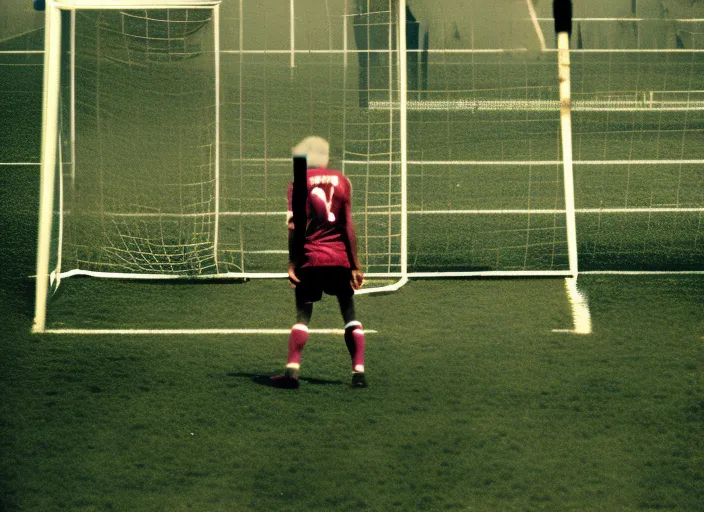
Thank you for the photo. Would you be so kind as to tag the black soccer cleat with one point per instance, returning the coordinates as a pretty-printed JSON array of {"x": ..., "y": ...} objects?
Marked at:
[
  {"x": 288, "y": 380},
  {"x": 358, "y": 380}
]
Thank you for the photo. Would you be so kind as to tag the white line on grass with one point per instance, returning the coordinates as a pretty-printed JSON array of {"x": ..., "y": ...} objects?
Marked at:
[
  {"x": 21, "y": 52},
  {"x": 642, "y": 272},
  {"x": 531, "y": 163},
  {"x": 581, "y": 317},
  {"x": 384, "y": 275},
  {"x": 190, "y": 331},
  {"x": 551, "y": 212}
]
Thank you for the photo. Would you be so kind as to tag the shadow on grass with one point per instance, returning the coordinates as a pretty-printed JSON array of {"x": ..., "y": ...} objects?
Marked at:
[{"x": 265, "y": 380}]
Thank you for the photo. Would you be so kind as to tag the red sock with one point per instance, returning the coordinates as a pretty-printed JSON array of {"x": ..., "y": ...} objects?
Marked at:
[
  {"x": 354, "y": 339},
  {"x": 296, "y": 341}
]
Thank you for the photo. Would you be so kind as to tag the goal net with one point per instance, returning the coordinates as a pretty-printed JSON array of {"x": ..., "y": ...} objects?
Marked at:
[
  {"x": 484, "y": 162},
  {"x": 172, "y": 137},
  {"x": 638, "y": 148},
  {"x": 485, "y": 166},
  {"x": 309, "y": 69},
  {"x": 140, "y": 168},
  {"x": 156, "y": 182}
]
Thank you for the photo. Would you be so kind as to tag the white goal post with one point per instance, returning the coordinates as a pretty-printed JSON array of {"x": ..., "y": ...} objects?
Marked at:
[{"x": 563, "y": 62}]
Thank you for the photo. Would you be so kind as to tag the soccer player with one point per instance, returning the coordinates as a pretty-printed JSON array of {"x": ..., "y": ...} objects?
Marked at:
[{"x": 328, "y": 262}]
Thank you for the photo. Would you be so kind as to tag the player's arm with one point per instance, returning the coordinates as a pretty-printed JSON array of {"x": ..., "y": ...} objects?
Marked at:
[
  {"x": 292, "y": 263},
  {"x": 292, "y": 249},
  {"x": 351, "y": 242}
]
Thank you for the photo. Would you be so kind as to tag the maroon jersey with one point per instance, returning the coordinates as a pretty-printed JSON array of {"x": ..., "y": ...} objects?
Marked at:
[{"x": 330, "y": 239}]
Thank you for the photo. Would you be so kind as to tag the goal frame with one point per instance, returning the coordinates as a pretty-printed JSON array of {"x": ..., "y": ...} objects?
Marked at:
[{"x": 50, "y": 121}]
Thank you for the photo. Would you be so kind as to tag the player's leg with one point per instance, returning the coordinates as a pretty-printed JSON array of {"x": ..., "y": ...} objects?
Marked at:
[
  {"x": 304, "y": 312},
  {"x": 296, "y": 341},
  {"x": 354, "y": 334},
  {"x": 354, "y": 339},
  {"x": 307, "y": 292},
  {"x": 298, "y": 336}
]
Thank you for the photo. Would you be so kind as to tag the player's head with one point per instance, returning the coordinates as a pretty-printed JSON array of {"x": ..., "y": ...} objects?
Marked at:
[{"x": 316, "y": 151}]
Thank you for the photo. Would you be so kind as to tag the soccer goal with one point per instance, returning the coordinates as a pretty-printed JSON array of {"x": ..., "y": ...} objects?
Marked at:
[{"x": 167, "y": 140}]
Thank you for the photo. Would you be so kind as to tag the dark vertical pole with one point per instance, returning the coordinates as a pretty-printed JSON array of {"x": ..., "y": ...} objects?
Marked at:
[
  {"x": 634, "y": 8},
  {"x": 562, "y": 11},
  {"x": 362, "y": 37},
  {"x": 580, "y": 42},
  {"x": 299, "y": 197},
  {"x": 412, "y": 56},
  {"x": 424, "y": 58}
]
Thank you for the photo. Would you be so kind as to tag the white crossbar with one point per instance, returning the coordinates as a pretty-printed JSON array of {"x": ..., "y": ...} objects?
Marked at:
[{"x": 133, "y": 4}]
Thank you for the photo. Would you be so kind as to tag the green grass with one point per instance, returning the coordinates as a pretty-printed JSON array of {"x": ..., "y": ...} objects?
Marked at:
[{"x": 474, "y": 403}]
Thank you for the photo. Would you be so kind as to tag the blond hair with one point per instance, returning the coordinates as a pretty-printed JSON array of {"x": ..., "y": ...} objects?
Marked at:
[{"x": 315, "y": 149}]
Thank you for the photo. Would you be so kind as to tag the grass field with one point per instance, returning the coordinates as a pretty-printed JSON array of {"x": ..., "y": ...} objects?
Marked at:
[{"x": 475, "y": 402}]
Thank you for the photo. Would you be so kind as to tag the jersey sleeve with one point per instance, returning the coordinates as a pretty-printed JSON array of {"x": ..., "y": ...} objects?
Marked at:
[
  {"x": 289, "y": 211},
  {"x": 351, "y": 237}
]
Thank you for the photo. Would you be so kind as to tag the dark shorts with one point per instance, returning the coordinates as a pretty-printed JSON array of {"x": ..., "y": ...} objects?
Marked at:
[{"x": 316, "y": 280}]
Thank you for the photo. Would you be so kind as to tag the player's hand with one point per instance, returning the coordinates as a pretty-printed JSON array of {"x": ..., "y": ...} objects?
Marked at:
[
  {"x": 357, "y": 279},
  {"x": 292, "y": 277}
]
